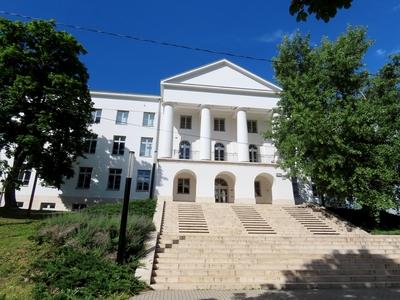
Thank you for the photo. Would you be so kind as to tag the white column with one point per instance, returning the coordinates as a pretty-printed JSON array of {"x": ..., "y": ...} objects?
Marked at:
[
  {"x": 166, "y": 134},
  {"x": 205, "y": 133},
  {"x": 242, "y": 135}
]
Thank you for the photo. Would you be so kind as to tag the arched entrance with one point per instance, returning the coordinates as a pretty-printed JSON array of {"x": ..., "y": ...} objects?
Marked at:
[
  {"x": 184, "y": 186},
  {"x": 263, "y": 188},
  {"x": 224, "y": 186}
]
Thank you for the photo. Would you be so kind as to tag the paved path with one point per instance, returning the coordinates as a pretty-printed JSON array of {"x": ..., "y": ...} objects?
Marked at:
[{"x": 359, "y": 294}]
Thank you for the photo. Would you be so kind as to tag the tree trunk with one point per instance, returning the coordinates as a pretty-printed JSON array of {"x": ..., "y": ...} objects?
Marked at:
[{"x": 10, "y": 183}]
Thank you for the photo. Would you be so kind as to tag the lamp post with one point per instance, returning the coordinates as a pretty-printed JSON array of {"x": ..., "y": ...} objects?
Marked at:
[{"x": 125, "y": 206}]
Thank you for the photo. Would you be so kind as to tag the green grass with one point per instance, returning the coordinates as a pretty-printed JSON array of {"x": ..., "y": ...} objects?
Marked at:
[
  {"x": 17, "y": 252},
  {"x": 45, "y": 257}
]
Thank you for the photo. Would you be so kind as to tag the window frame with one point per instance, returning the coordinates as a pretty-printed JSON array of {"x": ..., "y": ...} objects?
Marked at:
[
  {"x": 252, "y": 126},
  {"x": 146, "y": 119},
  {"x": 184, "y": 149},
  {"x": 114, "y": 177},
  {"x": 85, "y": 173},
  {"x": 253, "y": 153},
  {"x": 91, "y": 144},
  {"x": 96, "y": 115},
  {"x": 186, "y": 122},
  {"x": 142, "y": 180},
  {"x": 219, "y": 149},
  {"x": 25, "y": 177},
  {"x": 183, "y": 186},
  {"x": 118, "y": 147},
  {"x": 143, "y": 147},
  {"x": 119, "y": 120},
  {"x": 219, "y": 124}
]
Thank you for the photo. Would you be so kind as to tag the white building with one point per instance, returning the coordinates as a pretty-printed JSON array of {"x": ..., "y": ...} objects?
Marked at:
[{"x": 209, "y": 140}]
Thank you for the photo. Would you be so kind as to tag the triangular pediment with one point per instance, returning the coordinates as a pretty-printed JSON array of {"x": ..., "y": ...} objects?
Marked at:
[{"x": 223, "y": 74}]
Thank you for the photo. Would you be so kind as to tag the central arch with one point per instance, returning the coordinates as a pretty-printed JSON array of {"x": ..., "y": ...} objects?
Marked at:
[{"x": 224, "y": 188}]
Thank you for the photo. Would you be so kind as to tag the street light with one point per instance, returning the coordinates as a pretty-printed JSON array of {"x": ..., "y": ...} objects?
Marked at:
[{"x": 125, "y": 206}]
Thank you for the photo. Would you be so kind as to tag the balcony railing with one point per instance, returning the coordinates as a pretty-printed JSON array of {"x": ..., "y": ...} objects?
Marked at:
[{"x": 227, "y": 156}]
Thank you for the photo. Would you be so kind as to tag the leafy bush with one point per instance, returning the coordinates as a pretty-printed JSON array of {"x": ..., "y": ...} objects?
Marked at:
[
  {"x": 70, "y": 274},
  {"x": 83, "y": 245}
]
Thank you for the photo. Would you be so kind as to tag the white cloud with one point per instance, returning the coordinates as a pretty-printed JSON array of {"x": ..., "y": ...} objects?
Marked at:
[
  {"x": 380, "y": 52},
  {"x": 275, "y": 36}
]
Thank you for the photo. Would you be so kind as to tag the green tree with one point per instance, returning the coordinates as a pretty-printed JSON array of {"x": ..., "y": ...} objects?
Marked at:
[
  {"x": 45, "y": 105},
  {"x": 324, "y": 10},
  {"x": 336, "y": 123}
]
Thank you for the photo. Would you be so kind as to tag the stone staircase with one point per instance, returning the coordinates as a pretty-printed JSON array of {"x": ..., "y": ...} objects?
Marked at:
[{"x": 295, "y": 247}]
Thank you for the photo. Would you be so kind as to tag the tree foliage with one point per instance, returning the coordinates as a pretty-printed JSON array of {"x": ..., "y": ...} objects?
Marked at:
[
  {"x": 324, "y": 10},
  {"x": 45, "y": 105},
  {"x": 337, "y": 124}
]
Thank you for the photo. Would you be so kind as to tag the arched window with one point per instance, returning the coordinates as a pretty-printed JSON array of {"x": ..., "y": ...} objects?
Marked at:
[
  {"x": 219, "y": 151},
  {"x": 253, "y": 153},
  {"x": 184, "y": 150}
]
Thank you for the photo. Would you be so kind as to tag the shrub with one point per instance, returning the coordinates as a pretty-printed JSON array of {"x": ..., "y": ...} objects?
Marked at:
[
  {"x": 70, "y": 274},
  {"x": 138, "y": 207}
]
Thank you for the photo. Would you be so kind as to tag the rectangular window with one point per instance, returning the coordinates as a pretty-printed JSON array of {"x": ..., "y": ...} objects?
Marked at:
[
  {"x": 257, "y": 189},
  {"x": 143, "y": 181},
  {"x": 252, "y": 126},
  {"x": 90, "y": 144},
  {"x": 114, "y": 179},
  {"x": 122, "y": 117},
  {"x": 96, "y": 115},
  {"x": 186, "y": 122},
  {"x": 183, "y": 186},
  {"x": 84, "y": 178},
  {"x": 118, "y": 145},
  {"x": 148, "y": 119},
  {"x": 145, "y": 146},
  {"x": 47, "y": 205},
  {"x": 24, "y": 177},
  {"x": 20, "y": 204},
  {"x": 219, "y": 124},
  {"x": 78, "y": 206}
]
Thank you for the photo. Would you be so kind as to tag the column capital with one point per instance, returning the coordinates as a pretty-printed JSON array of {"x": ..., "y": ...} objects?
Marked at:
[
  {"x": 242, "y": 108},
  {"x": 208, "y": 106},
  {"x": 168, "y": 103}
]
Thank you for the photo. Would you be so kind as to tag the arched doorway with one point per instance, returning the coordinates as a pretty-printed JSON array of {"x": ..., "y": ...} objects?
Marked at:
[
  {"x": 263, "y": 188},
  {"x": 184, "y": 188},
  {"x": 224, "y": 187}
]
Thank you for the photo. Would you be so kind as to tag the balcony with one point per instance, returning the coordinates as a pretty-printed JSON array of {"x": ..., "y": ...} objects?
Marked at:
[{"x": 229, "y": 157}]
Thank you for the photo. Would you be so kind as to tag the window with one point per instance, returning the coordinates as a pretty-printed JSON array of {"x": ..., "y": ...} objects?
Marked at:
[
  {"x": 47, "y": 205},
  {"x": 253, "y": 153},
  {"x": 219, "y": 151},
  {"x": 118, "y": 145},
  {"x": 186, "y": 122},
  {"x": 122, "y": 117},
  {"x": 184, "y": 150},
  {"x": 183, "y": 186},
  {"x": 314, "y": 190},
  {"x": 90, "y": 144},
  {"x": 78, "y": 206},
  {"x": 114, "y": 179},
  {"x": 219, "y": 124},
  {"x": 85, "y": 174},
  {"x": 96, "y": 115},
  {"x": 257, "y": 189},
  {"x": 252, "y": 126},
  {"x": 20, "y": 204},
  {"x": 143, "y": 181},
  {"x": 145, "y": 146},
  {"x": 148, "y": 119},
  {"x": 24, "y": 177}
]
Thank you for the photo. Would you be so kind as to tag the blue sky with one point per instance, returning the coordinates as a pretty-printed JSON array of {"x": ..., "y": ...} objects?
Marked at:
[{"x": 246, "y": 27}]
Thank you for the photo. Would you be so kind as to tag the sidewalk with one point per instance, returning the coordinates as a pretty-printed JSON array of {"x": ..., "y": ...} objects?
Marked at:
[{"x": 353, "y": 294}]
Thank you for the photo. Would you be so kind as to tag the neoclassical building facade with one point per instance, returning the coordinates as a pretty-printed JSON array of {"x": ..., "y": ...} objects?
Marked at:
[{"x": 201, "y": 140}]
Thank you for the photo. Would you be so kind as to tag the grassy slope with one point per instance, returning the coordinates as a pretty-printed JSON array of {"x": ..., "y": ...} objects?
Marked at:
[{"x": 16, "y": 253}]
